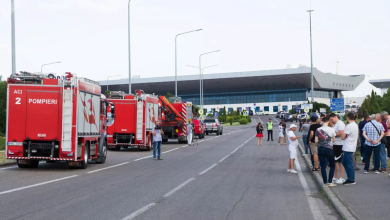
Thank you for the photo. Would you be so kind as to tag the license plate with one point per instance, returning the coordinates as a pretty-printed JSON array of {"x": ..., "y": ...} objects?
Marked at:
[
  {"x": 73, "y": 163},
  {"x": 24, "y": 162}
]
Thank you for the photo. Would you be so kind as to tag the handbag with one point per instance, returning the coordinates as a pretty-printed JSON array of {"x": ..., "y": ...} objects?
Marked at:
[{"x": 383, "y": 140}]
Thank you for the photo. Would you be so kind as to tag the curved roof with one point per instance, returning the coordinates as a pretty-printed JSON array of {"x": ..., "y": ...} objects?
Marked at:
[
  {"x": 282, "y": 79},
  {"x": 381, "y": 83}
]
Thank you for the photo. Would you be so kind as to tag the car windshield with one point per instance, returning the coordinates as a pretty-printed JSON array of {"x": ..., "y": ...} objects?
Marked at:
[{"x": 209, "y": 121}]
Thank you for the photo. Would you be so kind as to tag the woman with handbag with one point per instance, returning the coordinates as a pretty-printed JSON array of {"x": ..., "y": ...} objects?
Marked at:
[{"x": 259, "y": 135}]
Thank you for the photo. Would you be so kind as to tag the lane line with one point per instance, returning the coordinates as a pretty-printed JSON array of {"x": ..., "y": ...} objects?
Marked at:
[
  {"x": 221, "y": 160},
  {"x": 143, "y": 158},
  {"x": 208, "y": 169},
  {"x": 178, "y": 187},
  {"x": 6, "y": 168},
  {"x": 315, "y": 210},
  {"x": 105, "y": 168},
  {"x": 38, "y": 184},
  {"x": 184, "y": 146},
  {"x": 234, "y": 151},
  {"x": 139, "y": 212},
  {"x": 170, "y": 150}
]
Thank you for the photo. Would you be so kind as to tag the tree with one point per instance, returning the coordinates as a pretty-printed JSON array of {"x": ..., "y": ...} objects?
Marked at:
[
  {"x": 386, "y": 101},
  {"x": 3, "y": 106},
  {"x": 366, "y": 104},
  {"x": 168, "y": 95},
  {"x": 374, "y": 106},
  {"x": 107, "y": 93},
  {"x": 224, "y": 111}
]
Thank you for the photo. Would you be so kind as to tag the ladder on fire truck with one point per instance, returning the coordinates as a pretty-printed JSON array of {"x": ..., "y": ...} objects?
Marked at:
[
  {"x": 140, "y": 113},
  {"x": 67, "y": 113}
]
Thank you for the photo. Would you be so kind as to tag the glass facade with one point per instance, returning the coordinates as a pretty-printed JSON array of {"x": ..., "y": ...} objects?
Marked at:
[
  {"x": 258, "y": 96},
  {"x": 275, "y": 109},
  {"x": 285, "y": 108},
  {"x": 266, "y": 108}
]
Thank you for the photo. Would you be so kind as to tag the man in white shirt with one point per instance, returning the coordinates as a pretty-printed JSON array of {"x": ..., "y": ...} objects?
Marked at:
[
  {"x": 350, "y": 137},
  {"x": 293, "y": 140},
  {"x": 338, "y": 126}
]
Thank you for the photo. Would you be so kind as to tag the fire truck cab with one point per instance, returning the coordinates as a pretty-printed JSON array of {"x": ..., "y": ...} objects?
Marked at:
[{"x": 56, "y": 120}]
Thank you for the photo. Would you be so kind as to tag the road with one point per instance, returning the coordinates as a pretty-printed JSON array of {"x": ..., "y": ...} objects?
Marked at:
[{"x": 223, "y": 177}]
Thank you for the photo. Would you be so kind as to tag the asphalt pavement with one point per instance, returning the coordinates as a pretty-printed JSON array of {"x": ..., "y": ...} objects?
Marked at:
[{"x": 223, "y": 177}]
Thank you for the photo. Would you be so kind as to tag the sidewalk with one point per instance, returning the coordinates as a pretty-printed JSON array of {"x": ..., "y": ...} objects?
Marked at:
[{"x": 368, "y": 199}]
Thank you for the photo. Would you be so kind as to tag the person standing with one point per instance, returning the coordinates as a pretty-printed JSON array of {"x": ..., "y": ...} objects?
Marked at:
[
  {"x": 324, "y": 136},
  {"x": 338, "y": 147},
  {"x": 270, "y": 127},
  {"x": 382, "y": 153},
  {"x": 362, "y": 123},
  {"x": 373, "y": 132},
  {"x": 190, "y": 128},
  {"x": 259, "y": 135},
  {"x": 350, "y": 138},
  {"x": 280, "y": 135},
  {"x": 284, "y": 132},
  {"x": 387, "y": 118},
  {"x": 313, "y": 145},
  {"x": 157, "y": 139},
  {"x": 293, "y": 146},
  {"x": 305, "y": 131}
]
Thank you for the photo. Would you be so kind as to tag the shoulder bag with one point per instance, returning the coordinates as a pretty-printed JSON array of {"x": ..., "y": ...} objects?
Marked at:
[{"x": 383, "y": 140}]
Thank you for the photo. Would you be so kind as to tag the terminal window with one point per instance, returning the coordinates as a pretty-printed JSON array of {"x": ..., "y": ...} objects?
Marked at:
[
  {"x": 266, "y": 108},
  {"x": 285, "y": 108},
  {"x": 276, "y": 109}
]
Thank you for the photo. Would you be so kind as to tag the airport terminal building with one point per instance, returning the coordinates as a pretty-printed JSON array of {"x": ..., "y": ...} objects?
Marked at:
[{"x": 267, "y": 90}]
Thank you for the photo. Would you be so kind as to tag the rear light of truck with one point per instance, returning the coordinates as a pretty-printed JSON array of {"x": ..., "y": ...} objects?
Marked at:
[{"x": 14, "y": 152}]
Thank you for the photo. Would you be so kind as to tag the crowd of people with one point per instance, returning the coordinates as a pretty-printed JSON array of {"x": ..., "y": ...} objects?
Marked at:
[{"x": 332, "y": 144}]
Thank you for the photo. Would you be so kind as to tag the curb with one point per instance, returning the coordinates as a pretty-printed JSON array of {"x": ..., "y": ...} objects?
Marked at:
[
  {"x": 7, "y": 163},
  {"x": 337, "y": 204}
]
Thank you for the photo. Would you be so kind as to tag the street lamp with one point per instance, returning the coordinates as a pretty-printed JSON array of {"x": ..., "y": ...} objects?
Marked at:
[
  {"x": 49, "y": 64},
  {"x": 176, "y": 57},
  {"x": 201, "y": 80},
  {"x": 13, "y": 37},
  {"x": 128, "y": 39},
  {"x": 200, "y": 68},
  {"x": 311, "y": 59},
  {"x": 112, "y": 76}
]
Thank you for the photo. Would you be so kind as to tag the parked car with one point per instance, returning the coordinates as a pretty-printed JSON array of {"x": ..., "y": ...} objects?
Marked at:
[
  {"x": 266, "y": 112},
  {"x": 260, "y": 113},
  {"x": 278, "y": 114},
  {"x": 288, "y": 117},
  {"x": 213, "y": 126},
  {"x": 199, "y": 128},
  {"x": 250, "y": 112}
]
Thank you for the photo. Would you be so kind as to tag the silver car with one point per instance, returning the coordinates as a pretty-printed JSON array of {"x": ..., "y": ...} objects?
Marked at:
[{"x": 213, "y": 126}]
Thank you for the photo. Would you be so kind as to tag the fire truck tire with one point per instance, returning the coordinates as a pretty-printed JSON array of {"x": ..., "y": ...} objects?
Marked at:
[
  {"x": 207, "y": 133},
  {"x": 84, "y": 163},
  {"x": 34, "y": 164},
  {"x": 164, "y": 140},
  {"x": 102, "y": 158},
  {"x": 203, "y": 135},
  {"x": 150, "y": 143}
]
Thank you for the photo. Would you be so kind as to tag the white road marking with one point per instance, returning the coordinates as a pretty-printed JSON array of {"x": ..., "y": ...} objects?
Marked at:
[
  {"x": 38, "y": 184},
  {"x": 275, "y": 119},
  {"x": 315, "y": 210},
  {"x": 170, "y": 150},
  {"x": 105, "y": 168},
  {"x": 235, "y": 150},
  {"x": 178, "y": 187},
  {"x": 139, "y": 211},
  {"x": 8, "y": 167},
  {"x": 221, "y": 160},
  {"x": 143, "y": 158},
  {"x": 208, "y": 169},
  {"x": 184, "y": 146}
]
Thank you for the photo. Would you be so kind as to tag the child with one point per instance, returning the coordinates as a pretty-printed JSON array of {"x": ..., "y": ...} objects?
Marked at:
[
  {"x": 281, "y": 136},
  {"x": 293, "y": 140}
]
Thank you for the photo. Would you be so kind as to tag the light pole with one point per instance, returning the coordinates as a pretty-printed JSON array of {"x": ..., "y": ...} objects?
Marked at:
[
  {"x": 201, "y": 80},
  {"x": 311, "y": 60},
  {"x": 13, "y": 37},
  {"x": 112, "y": 76},
  {"x": 49, "y": 64},
  {"x": 128, "y": 39},
  {"x": 176, "y": 57},
  {"x": 200, "y": 70}
]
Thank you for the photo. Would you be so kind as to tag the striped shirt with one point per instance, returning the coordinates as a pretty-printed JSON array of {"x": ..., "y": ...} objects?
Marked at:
[{"x": 372, "y": 133}]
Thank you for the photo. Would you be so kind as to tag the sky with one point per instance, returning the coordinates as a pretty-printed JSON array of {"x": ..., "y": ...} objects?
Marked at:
[{"x": 90, "y": 37}]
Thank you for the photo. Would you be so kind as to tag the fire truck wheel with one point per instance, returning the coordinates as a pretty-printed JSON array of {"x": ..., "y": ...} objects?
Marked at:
[
  {"x": 34, "y": 163},
  {"x": 207, "y": 133},
  {"x": 102, "y": 159},
  {"x": 164, "y": 140},
  {"x": 84, "y": 163},
  {"x": 203, "y": 135},
  {"x": 150, "y": 145}
]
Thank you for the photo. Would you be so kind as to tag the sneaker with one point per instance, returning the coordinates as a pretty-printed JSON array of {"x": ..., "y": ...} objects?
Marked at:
[
  {"x": 154, "y": 158},
  {"x": 334, "y": 180},
  {"x": 332, "y": 184},
  {"x": 382, "y": 169},
  {"x": 366, "y": 172},
  {"x": 363, "y": 163},
  {"x": 357, "y": 168},
  {"x": 325, "y": 185},
  {"x": 377, "y": 172},
  {"x": 288, "y": 170},
  {"x": 278, "y": 143},
  {"x": 361, "y": 158},
  {"x": 293, "y": 171},
  {"x": 340, "y": 180},
  {"x": 159, "y": 159},
  {"x": 349, "y": 182},
  {"x": 388, "y": 158}
]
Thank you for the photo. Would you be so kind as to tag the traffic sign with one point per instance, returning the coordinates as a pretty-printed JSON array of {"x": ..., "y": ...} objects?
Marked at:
[
  {"x": 337, "y": 105},
  {"x": 245, "y": 113},
  {"x": 200, "y": 111},
  {"x": 307, "y": 110},
  {"x": 202, "y": 117},
  {"x": 310, "y": 106}
]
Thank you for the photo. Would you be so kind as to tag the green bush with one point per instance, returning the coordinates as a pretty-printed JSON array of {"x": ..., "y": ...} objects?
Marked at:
[
  {"x": 249, "y": 119},
  {"x": 230, "y": 120},
  {"x": 243, "y": 121},
  {"x": 2, "y": 143}
]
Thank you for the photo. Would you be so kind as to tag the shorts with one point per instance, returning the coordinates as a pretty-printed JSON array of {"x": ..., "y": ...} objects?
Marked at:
[
  {"x": 338, "y": 153},
  {"x": 314, "y": 148},
  {"x": 259, "y": 135},
  {"x": 293, "y": 151},
  {"x": 284, "y": 133},
  {"x": 281, "y": 134}
]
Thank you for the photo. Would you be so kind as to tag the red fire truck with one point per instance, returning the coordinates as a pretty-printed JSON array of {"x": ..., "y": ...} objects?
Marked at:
[
  {"x": 132, "y": 119},
  {"x": 55, "y": 120},
  {"x": 174, "y": 118}
]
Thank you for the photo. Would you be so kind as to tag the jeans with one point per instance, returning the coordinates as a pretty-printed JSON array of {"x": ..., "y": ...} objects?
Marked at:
[
  {"x": 383, "y": 159},
  {"x": 348, "y": 165},
  {"x": 157, "y": 145},
  {"x": 304, "y": 139},
  {"x": 326, "y": 154},
  {"x": 362, "y": 147},
  {"x": 388, "y": 146},
  {"x": 367, "y": 157}
]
